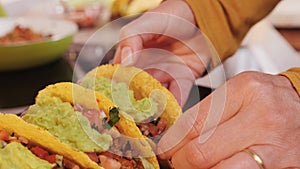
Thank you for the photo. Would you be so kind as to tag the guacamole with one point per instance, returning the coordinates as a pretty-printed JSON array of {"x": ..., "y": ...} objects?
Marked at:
[
  {"x": 16, "y": 156},
  {"x": 123, "y": 97},
  {"x": 69, "y": 126}
]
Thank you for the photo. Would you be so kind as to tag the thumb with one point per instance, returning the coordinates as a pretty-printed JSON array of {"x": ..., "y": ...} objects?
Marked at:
[
  {"x": 134, "y": 35},
  {"x": 126, "y": 49}
]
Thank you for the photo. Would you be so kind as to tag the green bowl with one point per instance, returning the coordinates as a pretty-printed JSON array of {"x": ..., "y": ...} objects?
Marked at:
[{"x": 30, "y": 54}]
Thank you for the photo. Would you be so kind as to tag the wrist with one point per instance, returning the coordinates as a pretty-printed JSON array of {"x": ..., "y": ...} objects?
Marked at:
[
  {"x": 293, "y": 76},
  {"x": 284, "y": 81}
]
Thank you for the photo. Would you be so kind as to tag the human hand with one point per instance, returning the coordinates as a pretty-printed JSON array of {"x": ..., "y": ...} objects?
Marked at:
[
  {"x": 166, "y": 43},
  {"x": 261, "y": 112}
]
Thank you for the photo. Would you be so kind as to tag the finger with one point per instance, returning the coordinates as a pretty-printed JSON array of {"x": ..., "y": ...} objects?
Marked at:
[
  {"x": 231, "y": 137},
  {"x": 269, "y": 154},
  {"x": 197, "y": 58},
  {"x": 134, "y": 35},
  {"x": 201, "y": 118},
  {"x": 160, "y": 75},
  {"x": 117, "y": 57},
  {"x": 126, "y": 50},
  {"x": 181, "y": 89},
  {"x": 271, "y": 157},
  {"x": 132, "y": 38},
  {"x": 240, "y": 160},
  {"x": 222, "y": 144}
]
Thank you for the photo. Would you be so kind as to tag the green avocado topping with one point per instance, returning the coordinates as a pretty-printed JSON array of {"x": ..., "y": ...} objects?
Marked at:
[
  {"x": 123, "y": 97},
  {"x": 69, "y": 126},
  {"x": 15, "y": 156}
]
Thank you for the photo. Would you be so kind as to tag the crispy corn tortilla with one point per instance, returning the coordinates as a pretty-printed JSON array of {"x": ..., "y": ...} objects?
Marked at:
[
  {"x": 142, "y": 84},
  {"x": 73, "y": 93},
  {"x": 12, "y": 123}
]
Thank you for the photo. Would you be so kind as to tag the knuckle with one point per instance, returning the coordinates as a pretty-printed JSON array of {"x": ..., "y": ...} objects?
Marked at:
[
  {"x": 196, "y": 156},
  {"x": 244, "y": 82},
  {"x": 192, "y": 124},
  {"x": 195, "y": 131},
  {"x": 250, "y": 80},
  {"x": 253, "y": 80},
  {"x": 259, "y": 91}
]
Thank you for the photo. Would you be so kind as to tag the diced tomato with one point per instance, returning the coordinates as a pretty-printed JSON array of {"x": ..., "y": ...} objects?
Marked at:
[
  {"x": 93, "y": 156},
  {"x": 4, "y": 135},
  {"x": 110, "y": 163},
  {"x": 41, "y": 153},
  {"x": 153, "y": 130},
  {"x": 51, "y": 158},
  {"x": 162, "y": 125},
  {"x": 70, "y": 164}
]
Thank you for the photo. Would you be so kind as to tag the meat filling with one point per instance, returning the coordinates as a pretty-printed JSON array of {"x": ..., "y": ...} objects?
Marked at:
[
  {"x": 120, "y": 155},
  {"x": 154, "y": 128}
]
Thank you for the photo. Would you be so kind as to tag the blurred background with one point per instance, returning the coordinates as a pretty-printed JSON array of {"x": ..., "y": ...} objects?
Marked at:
[{"x": 274, "y": 43}]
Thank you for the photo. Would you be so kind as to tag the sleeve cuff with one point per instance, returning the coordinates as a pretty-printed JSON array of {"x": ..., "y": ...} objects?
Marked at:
[{"x": 294, "y": 76}]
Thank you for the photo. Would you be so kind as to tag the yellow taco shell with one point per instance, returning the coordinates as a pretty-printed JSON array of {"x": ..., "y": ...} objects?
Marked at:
[
  {"x": 12, "y": 123},
  {"x": 73, "y": 93},
  {"x": 142, "y": 84}
]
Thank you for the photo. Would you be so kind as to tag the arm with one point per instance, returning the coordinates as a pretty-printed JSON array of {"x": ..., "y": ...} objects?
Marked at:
[
  {"x": 226, "y": 22},
  {"x": 230, "y": 28},
  {"x": 253, "y": 105}
]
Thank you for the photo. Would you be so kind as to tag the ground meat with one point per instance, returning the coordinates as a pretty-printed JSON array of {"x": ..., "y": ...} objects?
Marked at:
[
  {"x": 122, "y": 147},
  {"x": 153, "y": 128},
  {"x": 95, "y": 116},
  {"x": 70, "y": 165},
  {"x": 120, "y": 155},
  {"x": 126, "y": 163}
]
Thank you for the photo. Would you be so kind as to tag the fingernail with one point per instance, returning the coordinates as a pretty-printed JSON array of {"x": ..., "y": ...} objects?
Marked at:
[{"x": 126, "y": 56}]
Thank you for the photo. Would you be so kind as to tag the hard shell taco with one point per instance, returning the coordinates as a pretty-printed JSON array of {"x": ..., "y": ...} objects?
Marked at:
[
  {"x": 137, "y": 93},
  {"x": 24, "y": 145},
  {"x": 89, "y": 122}
]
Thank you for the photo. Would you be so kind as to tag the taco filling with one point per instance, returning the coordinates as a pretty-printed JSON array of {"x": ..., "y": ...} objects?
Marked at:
[
  {"x": 145, "y": 112},
  {"x": 87, "y": 130},
  {"x": 14, "y": 149}
]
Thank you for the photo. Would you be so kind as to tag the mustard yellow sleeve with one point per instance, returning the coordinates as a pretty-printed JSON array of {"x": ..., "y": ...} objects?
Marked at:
[
  {"x": 294, "y": 76},
  {"x": 226, "y": 22}
]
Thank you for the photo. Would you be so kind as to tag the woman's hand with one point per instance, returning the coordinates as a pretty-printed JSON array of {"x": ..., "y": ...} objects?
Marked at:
[
  {"x": 252, "y": 111},
  {"x": 166, "y": 43}
]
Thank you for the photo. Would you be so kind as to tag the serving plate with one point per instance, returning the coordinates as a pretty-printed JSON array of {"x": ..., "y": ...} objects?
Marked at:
[{"x": 23, "y": 55}]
